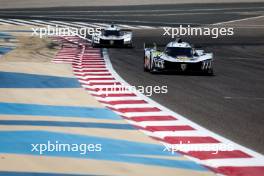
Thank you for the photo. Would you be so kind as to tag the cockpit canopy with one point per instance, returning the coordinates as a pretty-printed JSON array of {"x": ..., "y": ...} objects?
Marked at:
[
  {"x": 112, "y": 30},
  {"x": 112, "y": 33},
  {"x": 178, "y": 48},
  {"x": 178, "y": 51}
]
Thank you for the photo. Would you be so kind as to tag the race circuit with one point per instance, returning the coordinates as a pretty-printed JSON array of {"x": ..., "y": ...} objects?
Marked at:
[{"x": 229, "y": 104}]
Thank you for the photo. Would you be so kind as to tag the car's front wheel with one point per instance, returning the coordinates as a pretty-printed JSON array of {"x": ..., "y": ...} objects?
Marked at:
[
  {"x": 151, "y": 65},
  {"x": 93, "y": 44},
  {"x": 145, "y": 63}
]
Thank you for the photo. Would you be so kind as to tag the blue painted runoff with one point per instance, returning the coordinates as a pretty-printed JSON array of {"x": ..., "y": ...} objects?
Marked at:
[
  {"x": 24, "y": 80},
  {"x": 59, "y": 111},
  {"x": 20, "y": 142},
  {"x": 7, "y": 173},
  {"x": 68, "y": 124},
  {"x": 4, "y": 50},
  {"x": 6, "y": 36}
]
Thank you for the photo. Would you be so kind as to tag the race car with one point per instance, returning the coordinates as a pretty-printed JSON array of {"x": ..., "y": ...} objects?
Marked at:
[
  {"x": 177, "y": 56},
  {"x": 113, "y": 36}
]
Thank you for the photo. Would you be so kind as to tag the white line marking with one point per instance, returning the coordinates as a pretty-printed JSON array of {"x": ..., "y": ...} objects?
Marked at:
[
  {"x": 183, "y": 133},
  {"x": 102, "y": 24},
  {"x": 239, "y": 162},
  {"x": 92, "y": 25},
  {"x": 145, "y": 27},
  {"x": 160, "y": 123},
  {"x": 98, "y": 81},
  {"x": 45, "y": 23},
  {"x": 93, "y": 73},
  {"x": 86, "y": 77},
  {"x": 118, "y": 98},
  {"x": 24, "y": 22},
  {"x": 244, "y": 19},
  {"x": 144, "y": 105},
  {"x": 127, "y": 26},
  {"x": 88, "y": 69},
  {"x": 9, "y": 22},
  {"x": 135, "y": 114},
  {"x": 66, "y": 24}
]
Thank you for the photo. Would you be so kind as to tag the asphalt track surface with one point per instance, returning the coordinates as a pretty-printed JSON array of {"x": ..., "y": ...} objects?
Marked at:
[
  {"x": 231, "y": 103},
  {"x": 158, "y": 15}
]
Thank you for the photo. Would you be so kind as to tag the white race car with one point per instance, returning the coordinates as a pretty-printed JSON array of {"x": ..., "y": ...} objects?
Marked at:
[
  {"x": 113, "y": 36},
  {"x": 177, "y": 56}
]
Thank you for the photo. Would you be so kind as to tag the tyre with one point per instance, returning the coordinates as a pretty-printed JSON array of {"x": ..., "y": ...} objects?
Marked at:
[
  {"x": 210, "y": 72},
  {"x": 130, "y": 45},
  {"x": 207, "y": 68},
  {"x": 151, "y": 65}
]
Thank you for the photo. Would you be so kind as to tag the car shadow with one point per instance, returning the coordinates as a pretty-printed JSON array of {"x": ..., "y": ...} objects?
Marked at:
[{"x": 174, "y": 73}]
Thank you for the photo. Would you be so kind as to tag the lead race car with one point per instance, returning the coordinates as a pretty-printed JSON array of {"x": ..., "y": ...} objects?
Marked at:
[
  {"x": 177, "y": 56},
  {"x": 113, "y": 36}
]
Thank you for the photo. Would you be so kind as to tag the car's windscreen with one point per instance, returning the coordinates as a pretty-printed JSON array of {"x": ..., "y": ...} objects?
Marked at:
[
  {"x": 176, "y": 51},
  {"x": 112, "y": 32}
]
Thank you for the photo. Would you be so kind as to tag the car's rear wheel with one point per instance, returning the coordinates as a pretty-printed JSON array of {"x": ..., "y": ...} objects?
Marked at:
[
  {"x": 130, "y": 45},
  {"x": 207, "y": 68},
  {"x": 210, "y": 72}
]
